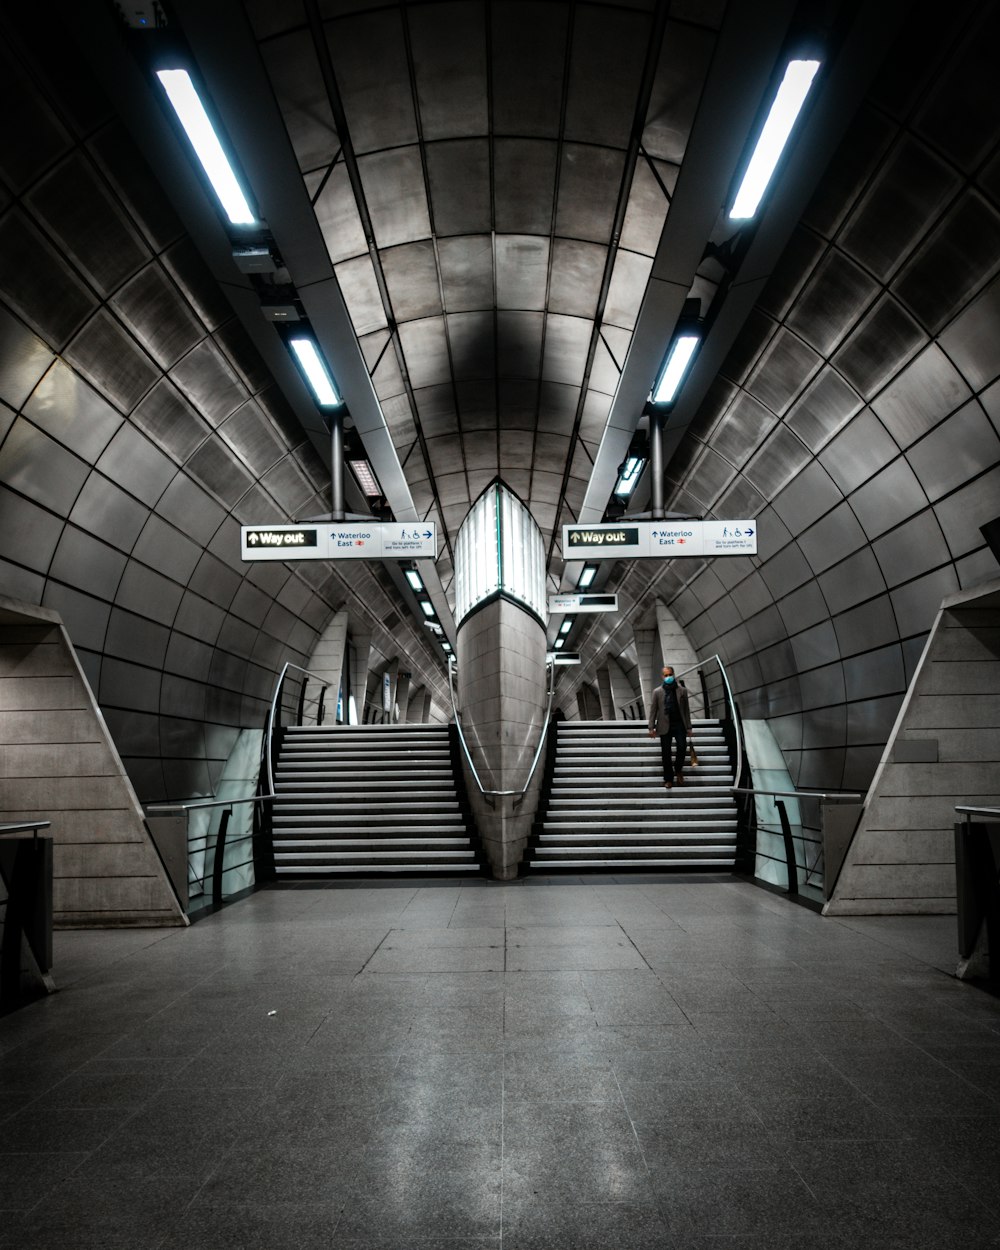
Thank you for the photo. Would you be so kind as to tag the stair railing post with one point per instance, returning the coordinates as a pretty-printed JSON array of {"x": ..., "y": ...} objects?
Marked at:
[
  {"x": 302, "y": 701},
  {"x": 786, "y": 837}
]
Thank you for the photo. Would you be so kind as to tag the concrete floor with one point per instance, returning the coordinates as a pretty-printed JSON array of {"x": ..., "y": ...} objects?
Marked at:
[{"x": 680, "y": 1064}]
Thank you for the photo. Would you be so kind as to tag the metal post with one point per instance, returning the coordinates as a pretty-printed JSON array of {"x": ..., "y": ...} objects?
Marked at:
[
  {"x": 320, "y": 710},
  {"x": 220, "y": 853},
  {"x": 337, "y": 465},
  {"x": 786, "y": 834},
  {"x": 302, "y": 700},
  {"x": 656, "y": 464}
]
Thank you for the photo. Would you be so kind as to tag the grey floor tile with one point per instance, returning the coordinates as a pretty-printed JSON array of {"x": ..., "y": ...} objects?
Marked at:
[{"x": 544, "y": 1222}]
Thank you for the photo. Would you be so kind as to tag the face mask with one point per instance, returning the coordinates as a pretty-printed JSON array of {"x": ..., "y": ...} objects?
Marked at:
[{"x": 668, "y": 681}]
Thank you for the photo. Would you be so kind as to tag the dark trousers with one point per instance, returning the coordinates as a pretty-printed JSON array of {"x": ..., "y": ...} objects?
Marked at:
[{"x": 676, "y": 734}]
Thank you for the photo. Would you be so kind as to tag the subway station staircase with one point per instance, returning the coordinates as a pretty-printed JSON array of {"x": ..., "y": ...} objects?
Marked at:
[
  {"x": 364, "y": 799},
  {"x": 608, "y": 807}
]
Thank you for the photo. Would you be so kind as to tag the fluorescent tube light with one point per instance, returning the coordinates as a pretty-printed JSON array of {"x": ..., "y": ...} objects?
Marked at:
[
  {"x": 446, "y": 645},
  {"x": 788, "y": 101},
  {"x": 587, "y": 576},
  {"x": 426, "y": 607},
  {"x": 559, "y": 643},
  {"x": 315, "y": 371},
  {"x": 630, "y": 474},
  {"x": 192, "y": 116},
  {"x": 413, "y": 577},
  {"x": 362, "y": 470},
  {"x": 566, "y": 626},
  {"x": 679, "y": 359}
]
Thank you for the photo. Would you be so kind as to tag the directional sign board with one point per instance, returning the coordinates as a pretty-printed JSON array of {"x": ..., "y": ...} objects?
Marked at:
[
  {"x": 341, "y": 540},
  {"x": 582, "y": 603},
  {"x": 563, "y": 657},
  {"x": 660, "y": 540}
]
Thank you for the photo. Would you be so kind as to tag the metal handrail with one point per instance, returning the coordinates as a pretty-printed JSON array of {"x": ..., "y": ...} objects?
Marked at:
[
  {"x": 837, "y": 796},
  {"x": 694, "y": 668},
  {"x": 517, "y": 795},
  {"x": 325, "y": 685},
  {"x": 978, "y": 811},
  {"x": 198, "y": 803},
  {"x": 24, "y": 826}
]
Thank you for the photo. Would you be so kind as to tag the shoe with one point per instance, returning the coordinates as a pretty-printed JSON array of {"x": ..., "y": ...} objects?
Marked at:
[
  {"x": 669, "y": 785},
  {"x": 679, "y": 781}
]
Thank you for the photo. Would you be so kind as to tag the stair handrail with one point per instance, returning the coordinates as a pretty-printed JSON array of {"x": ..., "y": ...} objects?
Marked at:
[
  {"x": 517, "y": 795},
  {"x": 734, "y": 711},
  {"x": 275, "y": 710}
]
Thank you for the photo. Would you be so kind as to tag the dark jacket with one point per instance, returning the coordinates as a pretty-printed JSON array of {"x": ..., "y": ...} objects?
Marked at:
[{"x": 659, "y": 722}]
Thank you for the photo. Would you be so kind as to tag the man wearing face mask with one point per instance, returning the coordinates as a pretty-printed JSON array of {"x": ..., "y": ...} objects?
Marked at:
[{"x": 670, "y": 719}]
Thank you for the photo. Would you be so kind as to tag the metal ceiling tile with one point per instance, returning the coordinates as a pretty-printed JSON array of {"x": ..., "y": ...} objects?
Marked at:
[
  {"x": 567, "y": 340},
  {"x": 589, "y": 183},
  {"x": 477, "y": 402},
  {"x": 215, "y": 467},
  {"x": 74, "y": 413},
  {"x": 522, "y": 263},
  {"x": 528, "y": 43},
  {"x": 208, "y": 380},
  {"x": 971, "y": 339},
  {"x": 147, "y": 593},
  {"x": 158, "y": 315},
  {"x": 359, "y": 288},
  {"x": 956, "y": 260},
  {"x": 271, "y": 17},
  {"x": 38, "y": 138},
  {"x": 519, "y": 344},
  {"x": 552, "y": 451},
  {"x": 878, "y": 348},
  {"x": 629, "y": 279},
  {"x": 436, "y": 406},
  {"x": 742, "y": 429},
  {"x": 449, "y": 58},
  {"x": 600, "y": 106},
  {"x": 37, "y": 283},
  {"x": 833, "y": 538},
  {"x": 926, "y": 391},
  {"x": 471, "y": 338},
  {"x": 577, "y": 272},
  {"x": 411, "y": 275},
  {"x": 963, "y": 512},
  {"x": 337, "y": 214},
  {"x": 911, "y": 187},
  {"x": 458, "y": 171},
  {"x": 516, "y": 450},
  {"x": 41, "y": 468},
  {"x": 426, "y": 350},
  {"x": 452, "y": 487},
  {"x": 524, "y": 184},
  {"x": 957, "y": 451},
  {"x": 680, "y": 78},
  {"x": 850, "y": 583},
  {"x": 833, "y": 301},
  {"x": 557, "y": 406},
  {"x": 397, "y": 200},
  {"x": 466, "y": 268},
  {"x": 791, "y": 271},
  {"x": 376, "y": 89},
  {"x": 889, "y": 498},
  {"x": 960, "y": 115},
  {"x": 710, "y": 476},
  {"x": 826, "y": 405},
  {"x": 805, "y": 499},
  {"x": 647, "y": 208},
  {"x": 595, "y": 417},
  {"x": 915, "y": 604},
  {"x": 860, "y": 451},
  {"x": 294, "y": 70},
  {"x": 252, "y": 436},
  {"x": 288, "y": 485},
  {"x": 107, "y": 512},
  {"x": 164, "y": 547},
  {"x": 78, "y": 209},
  {"x": 112, "y": 360},
  {"x": 785, "y": 367},
  {"x": 480, "y": 454},
  {"x": 189, "y": 508},
  {"x": 912, "y": 549},
  {"x": 774, "y": 465},
  {"x": 124, "y": 166},
  {"x": 191, "y": 274},
  {"x": 170, "y": 421},
  {"x": 133, "y": 461}
]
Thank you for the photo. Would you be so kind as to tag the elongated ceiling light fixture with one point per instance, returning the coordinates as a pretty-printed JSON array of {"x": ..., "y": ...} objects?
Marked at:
[
  {"x": 628, "y": 476},
  {"x": 316, "y": 372},
  {"x": 193, "y": 117},
  {"x": 788, "y": 102},
  {"x": 679, "y": 358}
]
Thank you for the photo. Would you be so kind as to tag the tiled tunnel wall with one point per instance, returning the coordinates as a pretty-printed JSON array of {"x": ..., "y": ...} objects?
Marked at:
[
  {"x": 138, "y": 430},
  {"x": 858, "y": 415}
]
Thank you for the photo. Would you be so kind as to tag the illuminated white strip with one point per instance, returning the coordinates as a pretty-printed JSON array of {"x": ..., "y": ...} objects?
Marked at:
[
  {"x": 315, "y": 371},
  {"x": 366, "y": 479},
  {"x": 676, "y": 367},
  {"x": 787, "y": 105},
  {"x": 191, "y": 113}
]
